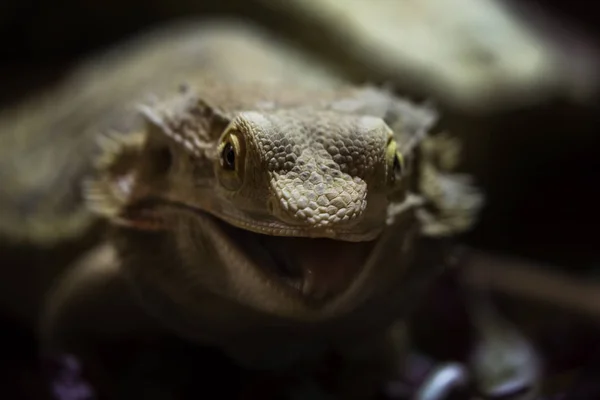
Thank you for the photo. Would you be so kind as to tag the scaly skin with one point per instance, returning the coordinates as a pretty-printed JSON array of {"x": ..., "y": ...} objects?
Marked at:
[
  {"x": 276, "y": 221},
  {"x": 276, "y": 165},
  {"x": 48, "y": 140},
  {"x": 278, "y": 225}
]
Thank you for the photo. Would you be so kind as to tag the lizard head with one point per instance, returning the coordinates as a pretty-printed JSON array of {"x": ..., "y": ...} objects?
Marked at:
[
  {"x": 312, "y": 174},
  {"x": 288, "y": 207}
]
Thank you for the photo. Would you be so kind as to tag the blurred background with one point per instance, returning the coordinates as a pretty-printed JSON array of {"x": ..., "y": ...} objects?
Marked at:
[{"x": 518, "y": 80}]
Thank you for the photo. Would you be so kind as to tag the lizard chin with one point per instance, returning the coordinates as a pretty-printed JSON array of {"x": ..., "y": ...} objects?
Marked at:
[{"x": 317, "y": 269}]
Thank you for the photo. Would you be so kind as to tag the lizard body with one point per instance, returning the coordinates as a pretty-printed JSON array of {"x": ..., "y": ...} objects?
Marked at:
[
  {"x": 276, "y": 225},
  {"x": 274, "y": 221}
]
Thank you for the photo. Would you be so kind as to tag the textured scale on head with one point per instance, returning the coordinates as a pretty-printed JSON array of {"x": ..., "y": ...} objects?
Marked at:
[
  {"x": 306, "y": 174},
  {"x": 294, "y": 197}
]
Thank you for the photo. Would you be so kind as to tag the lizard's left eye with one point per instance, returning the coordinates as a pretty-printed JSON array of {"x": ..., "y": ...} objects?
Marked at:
[
  {"x": 398, "y": 166},
  {"x": 395, "y": 164},
  {"x": 396, "y": 172}
]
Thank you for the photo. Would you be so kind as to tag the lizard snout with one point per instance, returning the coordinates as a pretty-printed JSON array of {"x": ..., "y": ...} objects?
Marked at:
[{"x": 318, "y": 202}]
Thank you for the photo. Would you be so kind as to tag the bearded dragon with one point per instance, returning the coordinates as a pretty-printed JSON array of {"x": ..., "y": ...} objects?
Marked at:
[{"x": 276, "y": 222}]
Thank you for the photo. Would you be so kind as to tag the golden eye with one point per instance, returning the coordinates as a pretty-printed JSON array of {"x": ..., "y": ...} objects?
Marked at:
[
  {"x": 395, "y": 163},
  {"x": 230, "y": 159},
  {"x": 398, "y": 166}
]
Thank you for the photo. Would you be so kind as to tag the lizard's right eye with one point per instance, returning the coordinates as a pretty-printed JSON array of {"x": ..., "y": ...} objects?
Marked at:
[
  {"x": 228, "y": 156},
  {"x": 230, "y": 159}
]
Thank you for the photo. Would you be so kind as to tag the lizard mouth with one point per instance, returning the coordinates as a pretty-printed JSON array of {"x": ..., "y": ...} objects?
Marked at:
[{"x": 315, "y": 268}]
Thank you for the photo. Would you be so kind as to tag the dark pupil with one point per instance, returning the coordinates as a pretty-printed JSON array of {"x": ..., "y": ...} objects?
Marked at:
[
  {"x": 397, "y": 166},
  {"x": 228, "y": 156}
]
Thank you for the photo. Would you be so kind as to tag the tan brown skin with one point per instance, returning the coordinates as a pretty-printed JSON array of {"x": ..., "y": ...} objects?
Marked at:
[
  {"x": 181, "y": 214},
  {"x": 178, "y": 216}
]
